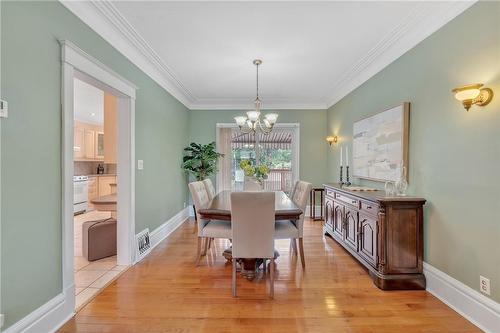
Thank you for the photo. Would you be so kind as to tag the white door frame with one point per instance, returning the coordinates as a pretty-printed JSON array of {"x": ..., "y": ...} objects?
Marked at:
[
  {"x": 77, "y": 63},
  {"x": 295, "y": 146}
]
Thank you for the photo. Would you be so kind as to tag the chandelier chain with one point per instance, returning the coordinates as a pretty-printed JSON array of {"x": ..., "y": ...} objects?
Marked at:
[{"x": 257, "y": 80}]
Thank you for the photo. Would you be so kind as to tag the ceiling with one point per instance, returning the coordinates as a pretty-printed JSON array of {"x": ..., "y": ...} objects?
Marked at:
[
  {"x": 314, "y": 53},
  {"x": 88, "y": 103}
]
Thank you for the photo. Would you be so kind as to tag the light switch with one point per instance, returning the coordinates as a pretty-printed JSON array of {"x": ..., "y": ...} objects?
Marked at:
[
  {"x": 140, "y": 164},
  {"x": 4, "y": 108}
]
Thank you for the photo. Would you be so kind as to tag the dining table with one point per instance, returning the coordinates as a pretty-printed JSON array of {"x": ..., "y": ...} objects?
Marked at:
[{"x": 220, "y": 209}]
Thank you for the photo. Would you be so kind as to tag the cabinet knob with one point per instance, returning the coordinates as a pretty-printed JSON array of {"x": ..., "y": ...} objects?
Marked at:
[{"x": 354, "y": 201}]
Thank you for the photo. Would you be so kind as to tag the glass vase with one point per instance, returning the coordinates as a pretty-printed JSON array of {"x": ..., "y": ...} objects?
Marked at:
[{"x": 401, "y": 185}]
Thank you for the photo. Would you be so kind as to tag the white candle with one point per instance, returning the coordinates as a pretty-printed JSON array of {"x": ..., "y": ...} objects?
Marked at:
[
  {"x": 340, "y": 155},
  {"x": 347, "y": 156}
]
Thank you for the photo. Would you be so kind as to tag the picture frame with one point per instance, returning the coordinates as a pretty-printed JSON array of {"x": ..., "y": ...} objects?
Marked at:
[{"x": 381, "y": 144}]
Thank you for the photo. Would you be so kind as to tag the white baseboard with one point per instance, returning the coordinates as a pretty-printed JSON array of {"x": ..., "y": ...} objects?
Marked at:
[
  {"x": 191, "y": 210},
  {"x": 317, "y": 210},
  {"x": 49, "y": 317},
  {"x": 474, "y": 306},
  {"x": 168, "y": 227}
]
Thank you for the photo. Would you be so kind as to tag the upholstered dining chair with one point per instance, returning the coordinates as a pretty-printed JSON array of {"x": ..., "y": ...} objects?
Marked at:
[
  {"x": 207, "y": 229},
  {"x": 210, "y": 188},
  {"x": 295, "y": 229},
  {"x": 252, "y": 225},
  {"x": 292, "y": 192}
]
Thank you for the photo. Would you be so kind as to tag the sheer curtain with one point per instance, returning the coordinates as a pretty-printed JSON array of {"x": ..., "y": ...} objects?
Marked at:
[{"x": 224, "y": 176}]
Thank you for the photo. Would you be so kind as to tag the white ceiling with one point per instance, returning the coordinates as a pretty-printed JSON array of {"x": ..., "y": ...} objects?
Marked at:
[
  {"x": 88, "y": 103},
  {"x": 314, "y": 53}
]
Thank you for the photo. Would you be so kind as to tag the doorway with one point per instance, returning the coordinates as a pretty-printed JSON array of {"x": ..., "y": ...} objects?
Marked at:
[
  {"x": 279, "y": 150},
  {"x": 95, "y": 147},
  {"x": 84, "y": 141}
]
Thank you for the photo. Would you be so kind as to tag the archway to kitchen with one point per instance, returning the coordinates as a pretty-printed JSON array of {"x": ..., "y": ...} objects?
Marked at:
[{"x": 98, "y": 244}]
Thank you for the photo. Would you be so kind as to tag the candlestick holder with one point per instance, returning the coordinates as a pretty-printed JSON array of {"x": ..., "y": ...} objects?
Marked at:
[
  {"x": 348, "y": 183},
  {"x": 341, "y": 182}
]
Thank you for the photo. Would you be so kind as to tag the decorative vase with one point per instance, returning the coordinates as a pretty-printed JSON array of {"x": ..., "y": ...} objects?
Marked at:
[
  {"x": 252, "y": 184},
  {"x": 401, "y": 185},
  {"x": 389, "y": 188}
]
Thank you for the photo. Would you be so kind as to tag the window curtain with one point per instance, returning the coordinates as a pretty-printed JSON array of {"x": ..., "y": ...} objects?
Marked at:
[{"x": 224, "y": 176}]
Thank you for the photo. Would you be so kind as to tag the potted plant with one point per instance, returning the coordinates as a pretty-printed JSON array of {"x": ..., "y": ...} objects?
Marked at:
[
  {"x": 200, "y": 160},
  {"x": 254, "y": 175}
]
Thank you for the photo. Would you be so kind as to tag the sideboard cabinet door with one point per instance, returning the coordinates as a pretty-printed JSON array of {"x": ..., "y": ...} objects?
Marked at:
[
  {"x": 329, "y": 213},
  {"x": 351, "y": 228},
  {"x": 368, "y": 239},
  {"x": 338, "y": 220}
]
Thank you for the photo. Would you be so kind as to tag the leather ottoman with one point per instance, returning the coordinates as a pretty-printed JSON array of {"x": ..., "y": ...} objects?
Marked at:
[{"x": 99, "y": 239}]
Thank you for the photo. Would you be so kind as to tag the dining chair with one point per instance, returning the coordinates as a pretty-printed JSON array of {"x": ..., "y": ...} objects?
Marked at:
[
  {"x": 252, "y": 226},
  {"x": 207, "y": 229},
  {"x": 293, "y": 230},
  {"x": 210, "y": 188},
  {"x": 292, "y": 192}
]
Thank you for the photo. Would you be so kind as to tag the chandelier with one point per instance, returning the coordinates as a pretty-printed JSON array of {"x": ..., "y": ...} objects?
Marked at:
[{"x": 252, "y": 122}]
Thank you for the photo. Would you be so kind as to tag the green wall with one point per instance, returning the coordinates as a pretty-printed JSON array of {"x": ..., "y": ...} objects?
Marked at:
[
  {"x": 454, "y": 155},
  {"x": 313, "y": 147},
  {"x": 31, "y": 145}
]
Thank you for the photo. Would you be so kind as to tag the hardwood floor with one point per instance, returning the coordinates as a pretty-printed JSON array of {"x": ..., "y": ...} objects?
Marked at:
[{"x": 167, "y": 293}]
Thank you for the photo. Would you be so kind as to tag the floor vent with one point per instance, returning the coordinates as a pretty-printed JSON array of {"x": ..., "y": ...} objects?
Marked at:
[{"x": 143, "y": 244}]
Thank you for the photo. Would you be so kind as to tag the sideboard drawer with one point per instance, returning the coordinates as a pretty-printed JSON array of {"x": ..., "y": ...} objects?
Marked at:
[
  {"x": 347, "y": 199},
  {"x": 369, "y": 207},
  {"x": 330, "y": 192}
]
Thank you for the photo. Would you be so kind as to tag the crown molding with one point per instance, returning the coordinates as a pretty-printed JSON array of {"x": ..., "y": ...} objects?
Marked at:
[
  {"x": 105, "y": 19},
  {"x": 246, "y": 104},
  {"x": 414, "y": 28}
]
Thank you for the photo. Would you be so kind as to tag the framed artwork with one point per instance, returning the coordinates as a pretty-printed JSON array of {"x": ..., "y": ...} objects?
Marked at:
[{"x": 380, "y": 144}]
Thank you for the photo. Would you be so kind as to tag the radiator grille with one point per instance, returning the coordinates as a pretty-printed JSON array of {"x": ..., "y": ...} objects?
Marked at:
[{"x": 143, "y": 244}]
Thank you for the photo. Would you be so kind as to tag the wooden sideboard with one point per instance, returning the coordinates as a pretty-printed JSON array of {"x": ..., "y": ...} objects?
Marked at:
[{"x": 385, "y": 234}]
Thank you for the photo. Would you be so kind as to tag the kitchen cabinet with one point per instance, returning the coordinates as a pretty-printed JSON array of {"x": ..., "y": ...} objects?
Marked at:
[
  {"x": 78, "y": 143},
  {"x": 99, "y": 145},
  {"x": 93, "y": 189},
  {"x": 110, "y": 128},
  {"x": 385, "y": 234},
  {"x": 88, "y": 142},
  {"x": 105, "y": 185},
  {"x": 100, "y": 185}
]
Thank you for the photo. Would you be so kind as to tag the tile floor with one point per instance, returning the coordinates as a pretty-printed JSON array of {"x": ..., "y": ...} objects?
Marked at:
[{"x": 91, "y": 277}]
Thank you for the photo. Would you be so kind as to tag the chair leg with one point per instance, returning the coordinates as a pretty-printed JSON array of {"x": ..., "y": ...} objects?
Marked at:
[
  {"x": 198, "y": 253},
  {"x": 205, "y": 247},
  {"x": 301, "y": 248},
  {"x": 293, "y": 242},
  {"x": 234, "y": 278},
  {"x": 271, "y": 287},
  {"x": 264, "y": 264}
]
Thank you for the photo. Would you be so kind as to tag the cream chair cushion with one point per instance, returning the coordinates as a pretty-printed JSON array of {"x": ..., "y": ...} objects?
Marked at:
[
  {"x": 252, "y": 221},
  {"x": 209, "y": 188},
  {"x": 217, "y": 229},
  {"x": 300, "y": 197},
  {"x": 207, "y": 228}
]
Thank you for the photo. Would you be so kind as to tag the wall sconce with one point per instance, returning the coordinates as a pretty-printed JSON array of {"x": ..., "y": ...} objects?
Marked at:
[
  {"x": 331, "y": 139},
  {"x": 473, "y": 94}
]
